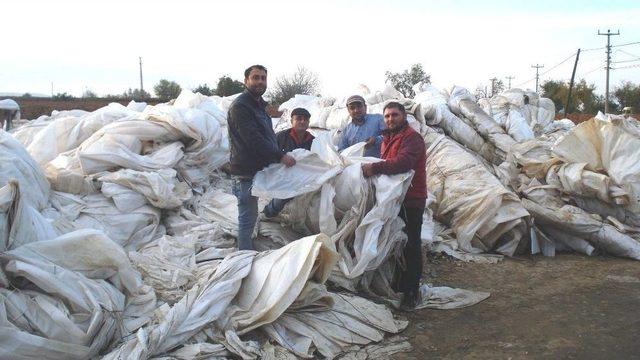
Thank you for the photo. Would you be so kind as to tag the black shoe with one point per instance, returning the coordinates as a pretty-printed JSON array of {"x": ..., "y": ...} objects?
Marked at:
[{"x": 410, "y": 301}]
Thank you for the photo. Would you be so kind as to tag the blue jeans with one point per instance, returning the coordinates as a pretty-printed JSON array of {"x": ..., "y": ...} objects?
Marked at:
[
  {"x": 274, "y": 207},
  {"x": 247, "y": 212}
]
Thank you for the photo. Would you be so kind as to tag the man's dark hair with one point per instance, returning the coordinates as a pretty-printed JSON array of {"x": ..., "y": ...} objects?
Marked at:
[
  {"x": 301, "y": 111},
  {"x": 253, "y": 67},
  {"x": 395, "y": 105}
]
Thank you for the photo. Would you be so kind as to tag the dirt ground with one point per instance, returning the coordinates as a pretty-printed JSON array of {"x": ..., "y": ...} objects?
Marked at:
[{"x": 566, "y": 307}]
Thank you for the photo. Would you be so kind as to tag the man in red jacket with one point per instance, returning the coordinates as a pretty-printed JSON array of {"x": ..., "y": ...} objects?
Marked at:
[{"x": 402, "y": 150}]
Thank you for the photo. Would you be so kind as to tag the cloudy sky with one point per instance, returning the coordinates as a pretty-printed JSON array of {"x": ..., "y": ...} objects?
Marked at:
[{"x": 78, "y": 45}]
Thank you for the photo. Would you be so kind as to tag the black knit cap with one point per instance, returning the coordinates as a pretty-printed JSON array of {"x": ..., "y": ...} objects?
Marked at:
[{"x": 301, "y": 111}]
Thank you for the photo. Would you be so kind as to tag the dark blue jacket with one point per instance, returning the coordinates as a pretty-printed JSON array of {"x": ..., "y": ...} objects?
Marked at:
[{"x": 252, "y": 142}]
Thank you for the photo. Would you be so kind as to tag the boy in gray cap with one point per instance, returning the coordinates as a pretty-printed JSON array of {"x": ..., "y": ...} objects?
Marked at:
[{"x": 362, "y": 128}]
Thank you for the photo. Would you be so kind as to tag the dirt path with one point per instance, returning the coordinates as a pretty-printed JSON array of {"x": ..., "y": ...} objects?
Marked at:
[{"x": 567, "y": 307}]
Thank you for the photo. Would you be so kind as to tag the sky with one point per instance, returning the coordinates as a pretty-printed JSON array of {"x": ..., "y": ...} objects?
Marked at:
[{"x": 72, "y": 46}]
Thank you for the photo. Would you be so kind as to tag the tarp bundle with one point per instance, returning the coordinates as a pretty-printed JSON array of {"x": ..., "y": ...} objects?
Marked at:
[
  {"x": 140, "y": 189},
  {"x": 246, "y": 291},
  {"x": 360, "y": 215},
  {"x": 69, "y": 297},
  {"x": 584, "y": 192}
]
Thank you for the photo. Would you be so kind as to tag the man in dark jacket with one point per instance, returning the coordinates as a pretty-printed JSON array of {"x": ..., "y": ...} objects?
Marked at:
[
  {"x": 253, "y": 146},
  {"x": 288, "y": 140},
  {"x": 297, "y": 137},
  {"x": 402, "y": 150}
]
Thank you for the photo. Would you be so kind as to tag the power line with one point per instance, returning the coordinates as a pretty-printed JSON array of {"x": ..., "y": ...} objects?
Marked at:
[
  {"x": 628, "y": 53},
  {"x": 591, "y": 71},
  {"x": 549, "y": 70},
  {"x": 627, "y": 44},
  {"x": 625, "y": 61},
  {"x": 626, "y": 67},
  {"x": 593, "y": 49},
  {"x": 560, "y": 63},
  {"x": 604, "y": 47}
]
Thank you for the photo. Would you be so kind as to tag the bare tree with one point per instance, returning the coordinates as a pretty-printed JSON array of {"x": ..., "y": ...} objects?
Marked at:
[{"x": 303, "y": 81}]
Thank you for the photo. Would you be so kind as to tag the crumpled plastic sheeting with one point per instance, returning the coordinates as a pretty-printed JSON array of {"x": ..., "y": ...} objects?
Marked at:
[
  {"x": 160, "y": 188},
  {"x": 581, "y": 224},
  {"x": 350, "y": 320},
  {"x": 611, "y": 146},
  {"x": 168, "y": 265},
  {"x": 308, "y": 175},
  {"x": 483, "y": 213},
  {"x": 130, "y": 226},
  {"x": 437, "y": 112},
  {"x": 246, "y": 290},
  {"x": 445, "y": 298},
  {"x": 20, "y": 223},
  {"x": 318, "y": 107},
  {"x": 209, "y": 234},
  {"x": 68, "y": 132},
  {"x": 18, "y": 165},
  {"x": 362, "y": 220},
  {"x": 461, "y": 102},
  {"x": 69, "y": 307},
  {"x": 510, "y": 117},
  {"x": 438, "y": 238},
  {"x": 189, "y": 139}
]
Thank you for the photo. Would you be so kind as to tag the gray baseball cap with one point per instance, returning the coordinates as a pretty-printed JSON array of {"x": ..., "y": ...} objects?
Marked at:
[{"x": 354, "y": 99}]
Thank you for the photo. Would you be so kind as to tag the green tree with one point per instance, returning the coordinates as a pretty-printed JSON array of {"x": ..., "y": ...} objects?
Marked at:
[
  {"x": 135, "y": 94},
  {"x": 26, "y": 95},
  {"x": 557, "y": 91},
  {"x": 88, "y": 94},
  {"x": 167, "y": 90},
  {"x": 405, "y": 80},
  {"x": 303, "y": 82},
  {"x": 583, "y": 97},
  {"x": 62, "y": 96},
  {"x": 628, "y": 94},
  {"x": 203, "y": 89},
  {"x": 227, "y": 86}
]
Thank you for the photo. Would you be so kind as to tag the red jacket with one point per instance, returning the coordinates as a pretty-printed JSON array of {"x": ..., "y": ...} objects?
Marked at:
[{"x": 402, "y": 151}]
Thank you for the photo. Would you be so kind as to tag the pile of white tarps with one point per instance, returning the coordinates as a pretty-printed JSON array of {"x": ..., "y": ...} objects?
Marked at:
[
  {"x": 124, "y": 245},
  {"x": 582, "y": 189},
  {"x": 118, "y": 228}
]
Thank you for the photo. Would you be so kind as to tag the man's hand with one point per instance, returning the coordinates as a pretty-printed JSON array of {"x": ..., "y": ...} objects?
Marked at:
[
  {"x": 288, "y": 160},
  {"x": 370, "y": 142},
  {"x": 367, "y": 170}
]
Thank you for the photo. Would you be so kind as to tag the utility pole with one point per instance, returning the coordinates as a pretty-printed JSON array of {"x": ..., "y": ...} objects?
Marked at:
[
  {"x": 510, "y": 78},
  {"x": 573, "y": 76},
  {"x": 537, "y": 67},
  {"x": 141, "y": 87},
  {"x": 608, "y": 34},
  {"x": 493, "y": 85}
]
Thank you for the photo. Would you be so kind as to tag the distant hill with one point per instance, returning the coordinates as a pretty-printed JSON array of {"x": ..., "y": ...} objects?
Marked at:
[{"x": 12, "y": 94}]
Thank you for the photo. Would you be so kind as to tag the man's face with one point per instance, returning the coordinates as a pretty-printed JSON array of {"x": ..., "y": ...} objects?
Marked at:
[
  {"x": 256, "y": 82},
  {"x": 299, "y": 123},
  {"x": 357, "y": 110},
  {"x": 394, "y": 118}
]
